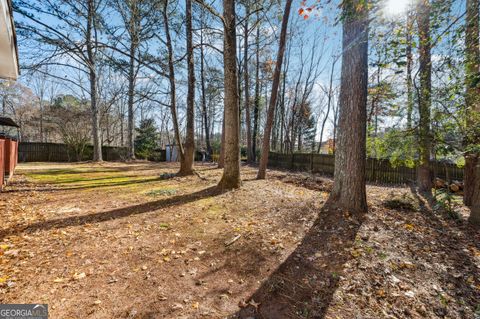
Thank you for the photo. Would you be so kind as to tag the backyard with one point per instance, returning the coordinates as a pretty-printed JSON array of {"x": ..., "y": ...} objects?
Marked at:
[{"x": 116, "y": 240}]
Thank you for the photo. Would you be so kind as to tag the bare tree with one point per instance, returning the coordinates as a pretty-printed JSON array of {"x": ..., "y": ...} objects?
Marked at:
[
  {"x": 139, "y": 23},
  {"x": 205, "y": 114},
  {"x": 75, "y": 37},
  {"x": 329, "y": 103},
  {"x": 273, "y": 97},
  {"x": 256, "y": 107},
  {"x": 171, "y": 77}
]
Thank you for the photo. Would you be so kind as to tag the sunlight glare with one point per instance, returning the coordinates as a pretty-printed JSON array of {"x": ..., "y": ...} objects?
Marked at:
[{"x": 396, "y": 8}]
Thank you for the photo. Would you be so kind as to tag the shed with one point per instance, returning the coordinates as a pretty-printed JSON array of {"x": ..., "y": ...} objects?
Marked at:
[{"x": 172, "y": 153}]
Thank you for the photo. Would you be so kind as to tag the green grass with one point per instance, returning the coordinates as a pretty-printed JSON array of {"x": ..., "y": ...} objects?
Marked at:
[{"x": 89, "y": 178}]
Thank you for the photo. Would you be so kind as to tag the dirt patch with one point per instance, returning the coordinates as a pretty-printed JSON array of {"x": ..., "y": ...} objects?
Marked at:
[{"x": 306, "y": 180}]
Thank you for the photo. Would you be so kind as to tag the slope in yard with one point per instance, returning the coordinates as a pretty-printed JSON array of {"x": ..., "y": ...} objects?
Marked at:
[{"x": 128, "y": 241}]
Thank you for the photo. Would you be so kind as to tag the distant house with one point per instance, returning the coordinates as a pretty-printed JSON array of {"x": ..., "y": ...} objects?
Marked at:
[
  {"x": 9, "y": 69},
  {"x": 172, "y": 153},
  {"x": 327, "y": 147}
]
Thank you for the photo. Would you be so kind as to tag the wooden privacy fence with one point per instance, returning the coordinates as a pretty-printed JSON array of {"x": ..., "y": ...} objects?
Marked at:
[
  {"x": 52, "y": 152},
  {"x": 377, "y": 170},
  {"x": 8, "y": 158}
]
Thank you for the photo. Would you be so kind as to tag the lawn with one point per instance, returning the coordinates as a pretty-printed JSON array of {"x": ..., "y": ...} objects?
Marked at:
[{"x": 119, "y": 240}]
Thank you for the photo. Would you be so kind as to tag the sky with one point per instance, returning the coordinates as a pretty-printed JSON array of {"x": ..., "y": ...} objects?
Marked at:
[{"x": 320, "y": 33}]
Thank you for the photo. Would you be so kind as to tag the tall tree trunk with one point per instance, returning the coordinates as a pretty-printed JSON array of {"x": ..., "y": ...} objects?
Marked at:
[
  {"x": 283, "y": 129},
  {"x": 246, "y": 79},
  {"x": 472, "y": 99},
  {"x": 131, "y": 96},
  {"x": 329, "y": 104},
  {"x": 171, "y": 77},
  {"x": 274, "y": 93},
  {"x": 186, "y": 166},
  {"x": 231, "y": 171},
  {"x": 349, "y": 192},
  {"x": 204, "y": 97},
  {"x": 221, "y": 158},
  {"x": 97, "y": 142},
  {"x": 122, "y": 119},
  {"x": 133, "y": 31},
  {"x": 256, "y": 108},
  {"x": 274, "y": 138},
  {"x": 299, "y": 140},
  {"x": 424, "y": 175},
  {"x": 474, "y": 218},
  {"x": 41, "y": 118},
  {"x": 409, "y": 38},
  {"x": 282, "y": 113}
]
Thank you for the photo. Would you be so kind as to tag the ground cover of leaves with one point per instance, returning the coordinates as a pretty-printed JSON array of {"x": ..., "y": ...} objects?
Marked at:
[{"x": 118, "y": 240}]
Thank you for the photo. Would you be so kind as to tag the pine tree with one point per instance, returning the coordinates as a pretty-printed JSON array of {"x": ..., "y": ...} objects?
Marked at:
[{"x": 146, "y": 139}]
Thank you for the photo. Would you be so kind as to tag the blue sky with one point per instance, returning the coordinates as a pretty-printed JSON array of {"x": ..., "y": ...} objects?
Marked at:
[{"x": 320, "y": 34}]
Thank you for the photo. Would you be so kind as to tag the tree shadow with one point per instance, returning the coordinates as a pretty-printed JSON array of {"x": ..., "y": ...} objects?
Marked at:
[
  {"x": 112, "y": 214},
  {"x": 99, "y": 185},
  {"x": 72, "y": 171},
  {"x": 304, "y": 284},
  {"x": 126, "y": 167},
  {"x": 80, "y": 180},
  {"x": 462, "y": 273}
]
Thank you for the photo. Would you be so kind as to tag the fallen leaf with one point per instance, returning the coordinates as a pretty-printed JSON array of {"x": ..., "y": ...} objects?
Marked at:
[{"x": 78, "y": 276}]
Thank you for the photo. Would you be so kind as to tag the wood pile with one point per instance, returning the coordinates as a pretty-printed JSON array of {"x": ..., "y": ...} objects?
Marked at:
[{"x": 454, "y": 186}]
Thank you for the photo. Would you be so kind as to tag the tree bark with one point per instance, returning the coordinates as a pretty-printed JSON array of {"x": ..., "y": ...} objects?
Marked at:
[
  {"x": 474, "y": 218},
  {"x": 246, "y": 79},
  {"x": 424, "y": 175},
  {"x": 97, "y": 142},
  {"x": 472, "y": 100},
  {"x": 273, "y": 96},
  {"x": 231, "y": 171},
  {"x": 221, "y": 157},
  {"x": 186, "y": 166},
  {"x": 349, "y": 192},
  {"x": 131, "y": 96}
]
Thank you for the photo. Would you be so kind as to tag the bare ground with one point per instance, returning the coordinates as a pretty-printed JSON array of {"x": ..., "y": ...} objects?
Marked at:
[{"x": 126, "y": 241}]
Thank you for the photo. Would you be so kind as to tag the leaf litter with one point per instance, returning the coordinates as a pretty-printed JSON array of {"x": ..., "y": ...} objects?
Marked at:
[{"x": 125, "y": 250}]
